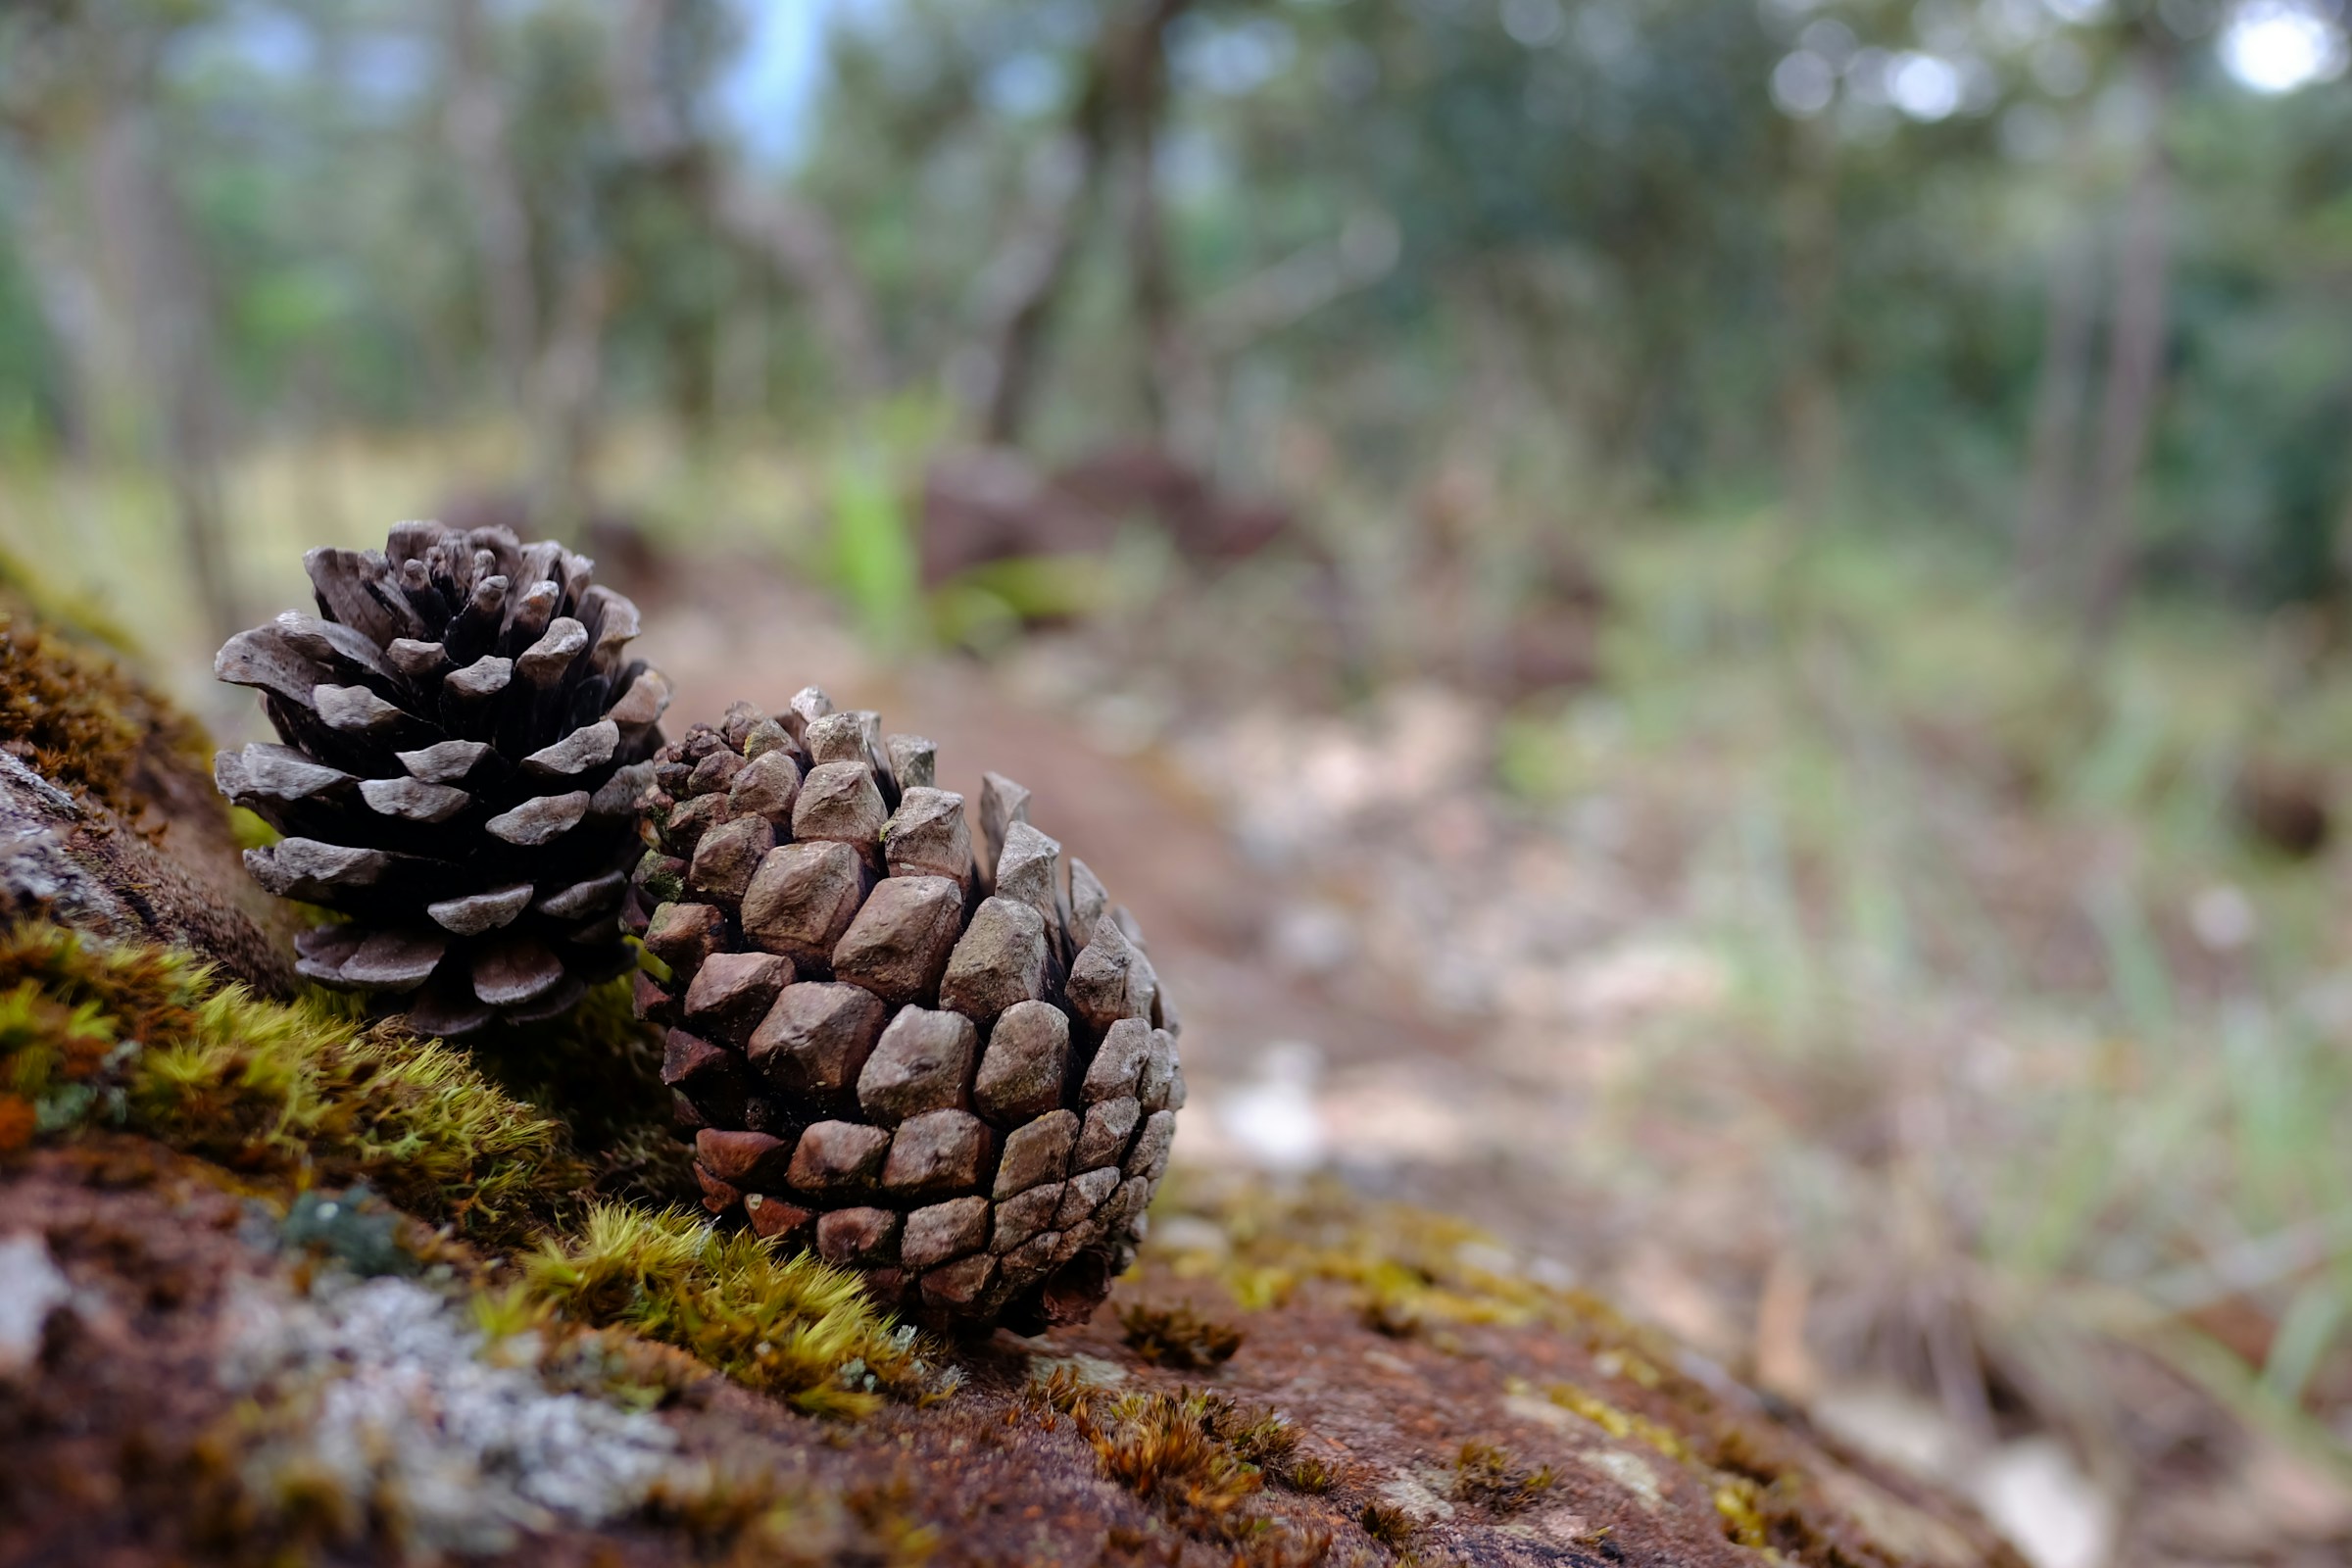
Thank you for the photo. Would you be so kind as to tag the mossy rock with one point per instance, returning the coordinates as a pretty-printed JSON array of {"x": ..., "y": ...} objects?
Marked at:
[
  {"x": 1282, "y": 1380},
  {"x": 109, "y": 821}
]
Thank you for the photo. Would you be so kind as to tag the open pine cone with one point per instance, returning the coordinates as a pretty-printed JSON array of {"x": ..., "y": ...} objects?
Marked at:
[
  {"x": 959, "y": 1078},
  {"x": 465, "y": 742}
]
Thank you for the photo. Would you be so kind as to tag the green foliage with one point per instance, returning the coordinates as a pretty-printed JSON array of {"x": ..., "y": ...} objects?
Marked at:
[
  {"x": 792, "y": 1326},
  {"x": 984, "y": 608},
  {"x": 873, "y": 551},
  {"x": 1595, "y": 258},
  {"x": 150, "y": 1040}
]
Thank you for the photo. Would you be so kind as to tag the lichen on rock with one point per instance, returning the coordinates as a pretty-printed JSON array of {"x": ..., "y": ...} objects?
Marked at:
[{"x": 382, "y": 1389}]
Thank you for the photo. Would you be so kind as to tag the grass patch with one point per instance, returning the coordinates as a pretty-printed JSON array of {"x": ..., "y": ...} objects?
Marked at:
[
  {"x": 788, "y": 1326},
  {"x": 150, "y": 1040}
]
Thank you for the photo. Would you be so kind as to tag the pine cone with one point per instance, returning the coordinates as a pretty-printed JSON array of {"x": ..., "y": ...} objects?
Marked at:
[
  {"x": 958, "y": 1079},
  {"x": 465, "y": 749}
]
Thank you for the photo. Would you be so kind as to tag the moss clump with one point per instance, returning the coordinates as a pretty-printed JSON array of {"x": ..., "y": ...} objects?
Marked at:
[
  {"x": 75, "y": 718},
  {"x": 1165, "y": 1448},
  {"x": 1487, "y": 1475},
  {"x": 1406, "y": 1265},
  {"x": 599, "y": 1070},
  {"x": 1198, "y": 1459},
  {"x": 788, "y": 1326},
  {"x": 1387, "y": 1524},
  {"x": 1177, "y": 1337},
  {"x": 54, "y": 1057},
  {"x": 149, "y": 1040},
  {"x": 751, "y": 1518}
]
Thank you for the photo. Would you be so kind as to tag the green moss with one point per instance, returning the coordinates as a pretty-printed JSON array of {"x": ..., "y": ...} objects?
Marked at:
[
  {"x": 1387, "y": 1524},
  {"x": 1740, "y": 1503},
  {"x": 1168, "y": 1449},
  {"x": 1486, "y": 1474},
  {"x": 1623, "y": 1425},
  {"x": 599, "y": 1070},
  {"x": 790, "y": 1326},
  {"x": 53, "y": 1057},
  {"x": 149, "y": 1040},
  {"x": 71, "y": 712},
  {"x": 1408, "y": 1268},
  {"x": 1201, "y": 1460},
  {"x": 662, "y": 884},
  {"x": 753, "y": 1517}
]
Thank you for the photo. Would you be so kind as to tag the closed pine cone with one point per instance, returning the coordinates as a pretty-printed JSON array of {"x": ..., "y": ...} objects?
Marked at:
[
  {"x": 464, "y": 745},
  {"x": 956, "y": 1074}
]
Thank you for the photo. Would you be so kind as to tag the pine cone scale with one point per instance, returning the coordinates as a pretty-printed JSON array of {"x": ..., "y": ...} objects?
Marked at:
[
  {"x": 460, "y": 759},
  {"x": 947, "y": 1064}
]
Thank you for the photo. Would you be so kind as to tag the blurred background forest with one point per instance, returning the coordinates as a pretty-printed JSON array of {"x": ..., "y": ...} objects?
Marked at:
[{"x": 1748, "y": 598}]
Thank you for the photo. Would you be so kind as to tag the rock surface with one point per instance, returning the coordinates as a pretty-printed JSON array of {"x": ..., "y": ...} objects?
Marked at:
[
  {"x": 1653, "y": 1458},
  {"x": 76, "y": 862}
]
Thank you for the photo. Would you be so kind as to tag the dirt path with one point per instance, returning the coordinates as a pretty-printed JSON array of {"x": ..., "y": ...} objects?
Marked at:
[{"x": 1153, "y": 839}]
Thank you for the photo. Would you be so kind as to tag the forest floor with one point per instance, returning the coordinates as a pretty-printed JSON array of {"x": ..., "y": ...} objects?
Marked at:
[
  {"x": 1832, "y": 1064},
  {"x": 1935, "y": 1030},
  {"x": 216, "y": 1345}
]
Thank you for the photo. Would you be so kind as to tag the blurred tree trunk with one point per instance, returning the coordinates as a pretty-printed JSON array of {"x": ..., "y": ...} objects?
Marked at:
[
  {"x": 739, "y": 352},
  {"x": 148, "y": 258},
  {"x": 477, "y": 126},
  {"x": 795, "y": 239},
  {"x": 2134, "y": 356},
  {"x": 551, "y": 362},
  {"x": 801, "y": 245},
  {"x": 1030, "y": 273},
  {"x": 1123, "y": 77},
  {"x": 568, "y": 381},
  {"x": 2053, "y": 486},
  {"x": 73, "y": 311},
  {"x": 1809, "y": 219},
  {"x": 1176, "y": 396}
]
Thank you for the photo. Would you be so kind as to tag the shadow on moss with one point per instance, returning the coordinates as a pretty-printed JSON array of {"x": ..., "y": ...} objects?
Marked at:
[{"x": 599, "y": 1071}]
